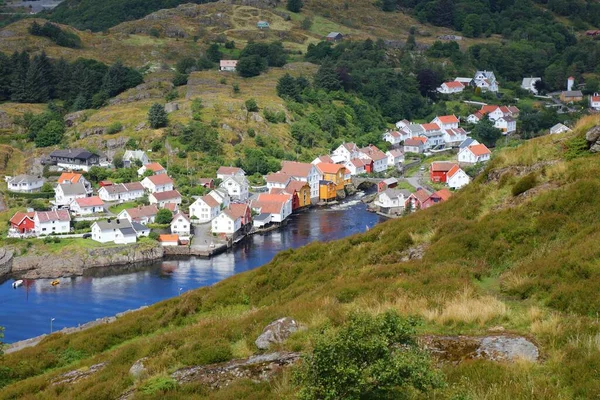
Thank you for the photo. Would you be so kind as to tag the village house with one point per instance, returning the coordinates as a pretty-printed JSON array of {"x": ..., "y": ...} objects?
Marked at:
[
  {"x": 131, "y": 156},
  {"x": 357, "y": 166},
  {"x": 495, "y": 113},
  {"x": 67, "y": 192},
  {"x": 378, "y": 158},
  {"x": 155, "y": 167},
  {"x": 529, "y": 84},
  {"x": 438, "y": 171},
  {"x": 559, "y": 128},
  {"x": 180, "y": 225},
  {"x": 121, "y": 192},
  {"x": 415, "y": 145},
  {"x": 228, "y": 65},
  {"x": 486, "y": 81},
  {"x": 454, "y": 137},
  {"x": 446, "y": 122},
  {"x": 346, "y": 152},
  {"x": 278, "y": 205},
  {"x": 140, "y": 214},
  {"x": 168, "y": 240},
  {"x": 326, "y": 158},
  {"x": 506, "y": 124},
  {"x": 158, "y": 183},
  {"x": 457, "y": 178},
  {"x": 417, "y": 200},
  {"x": 75, "y": 159},
  {"x": 477, "y": 153},
  {"x": 87, "y": 205},
  {"x": 334, "y": 37},
  {"x": 434, "y": 135},
  {"x": 226, "y": 172},
  {"x": 221, "y": 196},
  {"x": 334, "y": 173},
  {"x": 571, "y": 96},
  {"x": 303, "y": 172},
  {"x": 226, "y": 223},
  {"x": 277, "y": 180},
  {"x": 208, "y": 183},
  {"x": 22, "y": 223},
  {"x": 262, "y": 25},
  {"x": 301, "y": 194},
  {"x": 205, "y": 208},
  {"x": 388, "y": 183},
  {"x": 595, "y": 102},
  {"x": 464, "y": 80},
  {"x": 25, "y": 183},
  {"x": 327, "y": 191},
  {"x": 243, "y": 211},
  {"x": 451, "y": 87},
  {"x": 73, "y": 177},
  {"x": 467, "y": 142},
  {"x": 47, "y": 222},
  {"x": 402, "y": 124},
  {"x": 161, "y": 199},
  {"x": 437, "y": 197},
  {"x": 119, "y": 231},
  {"x": 392, "y": 201},
  {"x": 395, "y": 158},
  {"x": 237, "y": 187},
  {"x": 396, "y": 137}
]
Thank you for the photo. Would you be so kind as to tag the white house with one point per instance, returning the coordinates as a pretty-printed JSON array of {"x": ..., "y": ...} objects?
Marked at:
[
  {"x": 304, "y": 172},
  {"x": 434, "y": 135},
  {"x": 346, "y": 152},
  {"x": 392, "y": 199},
  {"x": 457, "y": 178},
  {"x": 474, "y": 154},
  {"x": 226, "y": 223},
  {"x": 163, "y": 198},
  {"x": 236, "y": 187},
  {"x": 506, "y": 124},
  {"x": 415, "y": 145},
  {"x": 371, "y": 152},
  {"x": 205, "y": 208},
  {"x": 25, "y": 183},
  {"x": 67, "y": 192},
  {"x": 357, "y": 166},
  {"x": 228, "y": 65},
  {"x": 221, "y": 196},
  {"x": 326, "y": 158},
  {"x": 87, "y": 205},
  {"x": 277, "y": 180},
  {"x": 595, "y": 102},
  {"x": 529, "y": 84},
  {"x": 158, "y": 183},
  {"x": 486, "y": 81},
  {"x": 464, "y": 80},
  {"x": 121, "y": 192},
  {"x": 278, "y": 205},
  {"x": 559, "y": 128},
  {"x": 451, "y": 87},
  {"x": 395, "y": 157},
  {"x": 446, "y": 122},
  {"x": 141, "y": 214},
  {"x": 155, "y": 167},
  {"x": 225, "y": 172},
  {"x": 396, "y": 137},
  {"x": 119, "y": 231},
  {"x": 131, "y": 156},
  {"x": 47, "y": 222},
  {"x": 454, "y": 137},
  {"x": 73, "y": 177},
  {"x": 180, "y": 225}
]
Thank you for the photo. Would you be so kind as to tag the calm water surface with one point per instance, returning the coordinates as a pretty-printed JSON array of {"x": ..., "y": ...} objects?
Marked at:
[{"x": 26, "y": 311}]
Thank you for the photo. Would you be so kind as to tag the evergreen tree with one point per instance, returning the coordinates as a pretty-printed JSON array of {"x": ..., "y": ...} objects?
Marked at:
[
  {"x": 486, "y": 133},
  {"x": 294, "y": 5},
  {"x": 63, "y": 79},
  {"x": 287, "y": 87},
  {"x": 51, "y": 134},
  {"x": 5, "y": 77},
  {"x": 213, "y": 53},
  {"x": 20, "y": 63},
  {"x": 157, "y": 116},
  {"x": 388, "y": 5},
  {"x": 327, "y": 77},
  {"x": 114, "y": 80},
  {"x": 251, "y": 65},
  {"x": 39, "y": 80}
]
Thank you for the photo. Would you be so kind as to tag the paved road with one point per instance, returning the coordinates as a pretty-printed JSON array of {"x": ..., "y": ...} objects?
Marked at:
[
  {"x": 203, "y": 238},
  {"x": 416, "y": 180}
]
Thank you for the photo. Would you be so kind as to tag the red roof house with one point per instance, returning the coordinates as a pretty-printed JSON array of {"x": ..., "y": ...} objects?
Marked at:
[
  {"x": 22, "y": 222},
  {"x": 438, "y": 171}
]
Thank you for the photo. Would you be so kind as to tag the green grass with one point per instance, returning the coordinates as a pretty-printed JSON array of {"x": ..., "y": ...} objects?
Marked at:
[{"x": 116, "y": 209}]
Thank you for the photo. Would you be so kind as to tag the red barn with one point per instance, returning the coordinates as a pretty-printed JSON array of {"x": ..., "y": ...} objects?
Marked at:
[
  {"x": 22, "y": 222},
  {"x": 438, "y": 171}
]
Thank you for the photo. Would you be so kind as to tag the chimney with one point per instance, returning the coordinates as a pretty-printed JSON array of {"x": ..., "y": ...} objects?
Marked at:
[
  {"x": 118, "y": 221},
  {"x": 570, "y": 83}
]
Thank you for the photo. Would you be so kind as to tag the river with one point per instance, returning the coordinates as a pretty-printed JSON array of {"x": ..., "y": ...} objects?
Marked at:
[{"x": 26, "y": 312}]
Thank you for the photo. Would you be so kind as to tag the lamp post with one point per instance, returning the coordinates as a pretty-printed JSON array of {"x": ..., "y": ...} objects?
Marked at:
[
  {"x": 51, "y": 321},
  {"x": 180, "y": 289}
]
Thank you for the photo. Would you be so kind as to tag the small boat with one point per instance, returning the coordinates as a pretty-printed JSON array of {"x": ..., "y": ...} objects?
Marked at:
[
  {"x": 18, "y": 283},
  {"x": 55, "y": 282}
]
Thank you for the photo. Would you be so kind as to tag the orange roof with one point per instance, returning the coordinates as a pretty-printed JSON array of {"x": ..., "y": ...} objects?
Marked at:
[
  {"x": 479, "y": 150},
  {"x": 421, "y": 195},
  {"x": 295, "y": 186},
  {"x": 326, "y": 159},
  {"x": 444, "y": 194},
  {"x": 238, "y": 210},
  {"x": 431, "y": 127},
  {"x": 90, "y": 202},
  {"x": 171, "y": 207},
  {"x": 278, "y": 177},
  {"x": 455, "y": 168},
  {"x": 448, "y": 119},
  {"x": 161, "y": 179},
  {"x": 454, "y": 84},
  {"x": 168, "y": 238},
  {"x": 272, "y": 197},
  {"x": 294, "y": 168},
  {"x": 229, "y": 171},
  {"x": 210, "y": 201},
  {"x": 328, "y": 168},
  {"x": 268, "y": 207},
  {"x": 20, "y": 216},
  {"x": 595, "y": 98},
  {"x": 154, "y": 167},
  {"x": 488, "y": 109},
  {"x": 69, "y": 177}
]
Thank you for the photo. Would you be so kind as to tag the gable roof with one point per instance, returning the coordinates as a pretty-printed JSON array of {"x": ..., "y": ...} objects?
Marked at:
[
  {"x": 415, "y": 141},
  {"x": 228, "y": 63},
  {"x": 113, "y": 223},
  {"x": 238, "y": 210},
  {"x": 351, "y": 147},
  {"x": 144, "y": 211},
  {"x": 442, "y": 166},
  {"x": 209, "y": 201},
  {"x": 443, "y": 194},
  {"x": 154, "y": 167},
  {"x": 77, "y": 154},
  {"x": 468, "y": 142},
  {"x": 359, "y": 162},
  {"x": 70, "y": 189},
  {"x": 58, "y": 215},
  {"x": 454, "y": 84},
  {"x": 161, "y": 179},
  {"x": 272, "y": 197},
  {"x": 20, "y": 216},
  {"x": 572, "y": 93},
  {"x": 334, "y": 34},
  {"x": 448, "y": 119},
  {"x": 373, "y": 152},
  {"x": 479, "y": 149},
  {"x": 391, "y": 193},
  {"x": 180, "y": 215},
  {"x": 167, "y": 195},
  {"x": 329, "y": 168},
  {"x": 24, "y": 178},
  {"x": 268, "y": 207},
  {"x": 421, "y": 194},
  {"x": 326, "y": 159},
  {"x": 94, "y": 201},
  {"x": 294, "y": 168},
  {"x": 230, "y": 171},
  {"x": 431, "y": 127},
  {"x": 295, "y": 186},
  {"x": 72, "y": 177},
  {"x": 277, "y": 177},
  {"x": 455, "y": 168},
  {"x": 396, "y": 152},
  {"x": 168, "y": 238},
  {"x": 134, "y": 155}
]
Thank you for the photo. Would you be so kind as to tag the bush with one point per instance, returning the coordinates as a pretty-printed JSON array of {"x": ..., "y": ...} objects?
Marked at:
[
  {"x": 251, "y": 132},
  {"x": 157, "y": 116},
  {"x": 524, "y": 184},
  {"x": 154, "y": 235},
  {"x": 251, "y": 105},
  {"x": 113, "y": 128},
  {"x": 180, "y": 79},
  {"x": 158, "y": 384},
  {"x": 163, "y": 216}
]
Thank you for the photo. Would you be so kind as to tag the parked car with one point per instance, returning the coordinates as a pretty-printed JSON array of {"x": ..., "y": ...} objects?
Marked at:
[{"x": 87, "y": 235}]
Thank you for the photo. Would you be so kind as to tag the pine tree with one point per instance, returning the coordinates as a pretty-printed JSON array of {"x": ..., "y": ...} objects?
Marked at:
[
  {"x": 6, "y": 72},
  {"x": 114, "y": 79},
  {"x": 295, "y": 5},
  {"x": 63, "y": 78},
  {"x": 287, "y": 87},
  {"x": 157, "y": 116},
  {"x": 327, "y": 77},
  {"x": 20, "y": 63}
]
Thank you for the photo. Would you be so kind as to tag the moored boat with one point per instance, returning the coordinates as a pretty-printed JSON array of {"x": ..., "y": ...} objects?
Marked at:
[
  {"x": 55, "y": 282},
  {"x": 18, "y": 283}
]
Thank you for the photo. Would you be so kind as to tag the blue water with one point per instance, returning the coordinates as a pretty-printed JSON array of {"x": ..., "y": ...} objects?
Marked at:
[{"x": 26, "y": 311}]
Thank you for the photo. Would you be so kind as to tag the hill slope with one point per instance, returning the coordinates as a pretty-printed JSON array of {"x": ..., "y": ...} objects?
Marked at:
[{"x": 517, "y": 249}]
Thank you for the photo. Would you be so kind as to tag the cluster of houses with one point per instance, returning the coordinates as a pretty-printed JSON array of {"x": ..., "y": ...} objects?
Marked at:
[
  {"x": 392, "y": 201},
  {"x": 442, "y": 132},
  {"x": 484, "y": 80},
  {"x": 503, "y": 117}
]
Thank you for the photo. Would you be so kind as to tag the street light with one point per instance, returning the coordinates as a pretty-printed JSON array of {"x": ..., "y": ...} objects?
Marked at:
[
  {"x": 180, "y": 289},
  {"x": 51, "y": 320}
]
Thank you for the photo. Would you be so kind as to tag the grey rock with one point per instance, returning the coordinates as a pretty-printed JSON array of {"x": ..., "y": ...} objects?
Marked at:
[
  {"x": 77, "y": 375},
  {"x": 506, "y": 348},
  {"x": 138, "y": 370},
  {"x": 276, "y": 332},
  {"x": 6, "y": 122},
  {"x": 74, "y": 118},
  {"x": 593, "y": 138},
  {"x": 170, "y": 107},
  {"x": 226, "y": 127},
  {"x": 256, "y": 117},
  {"x": 97, "y": 130},
  {"x": 140, "y": 126}
]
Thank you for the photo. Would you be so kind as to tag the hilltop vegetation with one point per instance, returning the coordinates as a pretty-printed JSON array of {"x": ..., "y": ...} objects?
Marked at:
[{"x": 492, "y": 257}]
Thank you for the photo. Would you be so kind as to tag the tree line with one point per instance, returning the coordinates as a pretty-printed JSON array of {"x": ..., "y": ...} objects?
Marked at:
[{"x": 56, "y": 34}]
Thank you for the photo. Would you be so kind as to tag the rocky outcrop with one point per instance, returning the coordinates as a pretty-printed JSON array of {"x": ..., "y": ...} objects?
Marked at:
[
  {"x": 72, "y": 377},
  {"x": 75, "y": 118},
  {"x": 414, "y": 253},
  {"x": 76, "y": 263},
  {"x": 96, "y": 130},
  {"x": 138, "y": 369},
  {"x": 455, "y": 349},
  {"x": 6, "y": 122},
  {"x": 170, "y": 107},
  {"x": 6, "y": 261},
  {"x": 256, "y": 368},
  {"x": 276, "y": 332},
  {"x": 518, "y": 170},
  {"x": 593, "y": 138}
]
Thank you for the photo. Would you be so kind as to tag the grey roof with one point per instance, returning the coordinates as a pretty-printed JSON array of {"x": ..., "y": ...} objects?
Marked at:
[
  {"x": 70, "y": 189},
  {"x": 79, "y": 154},
  {"x": 487, "y": 74},
  {"x": 415, "y": 129},
  {"x": 390, "y": 181},
  {"x": 333, "y": 34},
  {"x": 559, "y": 127},
  {"x": 528, "y": 82},
  {"x": 433, "y": 133},
  {"x": 573, "y": 93},
  {"x": 139, "y": 227},
  {"x": 113, "y": 224},
  {"x": 262, "y": 217},
  {"x": 466, "y": 143},
  {"x": 25, "y": 179},
  {"x": 134, "y": 155},
  {"x": 396, "y": 192},
  {"x": 127, "y": 231}
]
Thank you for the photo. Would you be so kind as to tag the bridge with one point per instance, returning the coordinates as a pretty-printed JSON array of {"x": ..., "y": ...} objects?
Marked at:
[{"x": 360, "y": 180}]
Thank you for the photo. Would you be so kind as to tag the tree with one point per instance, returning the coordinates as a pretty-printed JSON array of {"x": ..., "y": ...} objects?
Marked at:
[
  {"x": 47, "y": 188},
  {"x": 428, "y": 81},
  {"x": 250, "y": 66},
  {"x": 118, "y": 159},
  {"x": 213, "y": 53},
  {"x": 327, "y": 77},
  {"x": 369, "y": 358},
  {"x": 294, "y": 5},
  {"x": 51, "y": 134},
  {"x": 288, "y": 87},
  {"x": 486, "y": 133},
  {"x": 164, "y": 216},
  {"x": 157, "y": 116},
  {"x": 251, "y": 105}
]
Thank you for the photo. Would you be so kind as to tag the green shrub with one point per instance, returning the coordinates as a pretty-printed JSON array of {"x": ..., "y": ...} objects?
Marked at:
[
  {"x": 158, "y": 384},
  {"x": 524, "y": 184},
  {"x": 251, "y": 105},
  {"x": 153, "y": 235},
  {"x": 576, "y": 147},
  {"x": 113, "y": 128}
]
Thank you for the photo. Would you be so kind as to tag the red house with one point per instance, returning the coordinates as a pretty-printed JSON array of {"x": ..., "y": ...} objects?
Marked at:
[
  {"x": 437, "y": 197},
  {"x": 23, "y": 222},
  {"x": 241, "y": 210},
  {"x": 438, "y": 171},
  {"x": 207, "y": 183},
  {"x": 417, "y": 200},
  {"x": 105, "y": 183}
]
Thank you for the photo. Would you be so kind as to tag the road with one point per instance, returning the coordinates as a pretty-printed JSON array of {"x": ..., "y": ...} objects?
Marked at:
[{"x": 416, "y": 180}]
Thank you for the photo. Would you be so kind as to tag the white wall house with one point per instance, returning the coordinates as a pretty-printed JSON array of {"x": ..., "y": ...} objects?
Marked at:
[
  {"x": 67, "y": 192},
  {"x": 371, "y": 152},
  {"x": 454, "y": 137},
  {"x": 236, "y": 187},
  {"x": 25, "y": 183},
  {"x": 155, "y": 167},
  {"x": 357, "y": 166},
  {"x": 395, "y": 157},
  {"x": 346, "y": 152},
  {"x": 595, "y": 102},
  {"x": 451, "y": 87},
  {"x": 391, "y": 198},
  {"x": 457, "y": 178},
  {"x": 226, "y": 224},
  {"x": 131, "y": 156},
  {"x": 506, "y": 125},
  {"x": 87, "y": 205},
  {"x": 163, "y": 198},
  {"x": 180, "y": 225},
  {"x": 486, "y": 81},
  {"x": 559, "y": 128},
  {"x": 529, "y": 84},
  {"x": 277, "y": 180},
  {"x": 228, "y": 65},
  {"x": 225, "y": 172},
  {"x": 279, "y": 209},
  {"x": 122, "y": 192},
  {"x": 474, "y": 154},
  {"x": 414, "y": 145},
  {"x": 205, "y": 208},
  {"x": 47, "y": 222},
  {"x": 119, "y": 231},
  {"x": 141, "y": 214},
  {"x": 446, "y": 122},
  {"x": 304, "y": 172},
  {"x": 158, "y": 183},
  {"x": 221, "y": 196}
]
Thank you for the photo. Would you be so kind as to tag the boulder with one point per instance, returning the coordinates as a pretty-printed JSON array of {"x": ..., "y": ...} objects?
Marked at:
[
  {"x": 75, "y": 118},
  {"x": 593, "y": 138},
  {"x": 72, "y": 377},
  {"x": 170, "y": 107},
  {"x": 506, "y": 348},
  {"x": 276, "y": 332},
  {"x": 138, "y": 370}
]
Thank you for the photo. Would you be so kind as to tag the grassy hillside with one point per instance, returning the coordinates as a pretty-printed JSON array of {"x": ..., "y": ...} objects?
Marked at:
[{"x": 492, "y": 258}]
